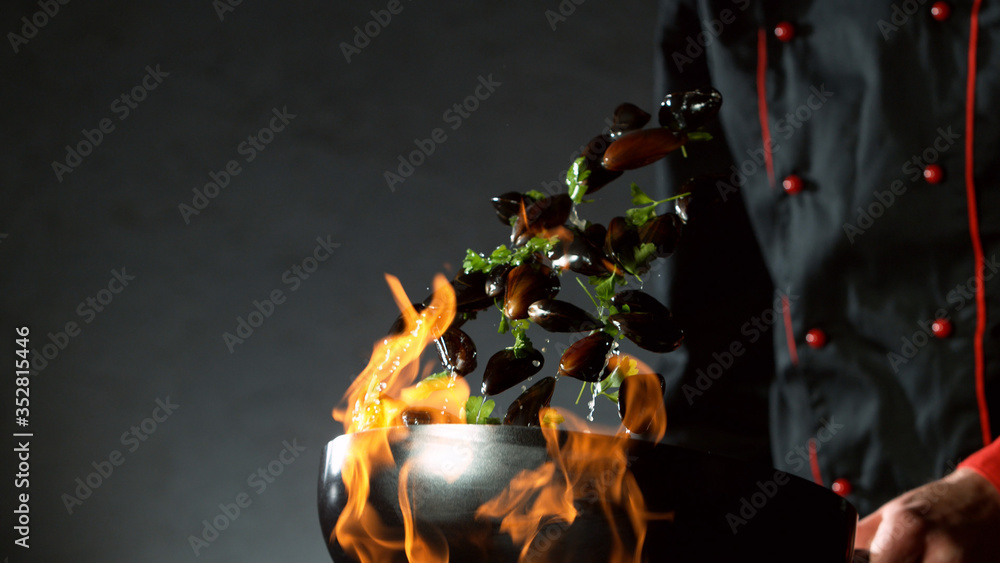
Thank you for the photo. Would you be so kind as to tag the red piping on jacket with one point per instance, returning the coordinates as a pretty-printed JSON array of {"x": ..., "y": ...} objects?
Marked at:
[
  {"x": 814, "y": 462},
  {"x": 765, "y": 129},
  {"x": 786, "y": 311},
  {"x": 977, "y": 243}
]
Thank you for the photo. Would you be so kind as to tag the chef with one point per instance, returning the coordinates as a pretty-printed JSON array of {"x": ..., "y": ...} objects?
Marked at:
[{"x": 841, "y": 298}]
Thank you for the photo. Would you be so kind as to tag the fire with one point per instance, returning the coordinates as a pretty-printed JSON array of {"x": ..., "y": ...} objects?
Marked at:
[
  {"x": 584, "y": 468},
  {"x": 586, "y": 472},
  {"x": 378, "y": 398}
]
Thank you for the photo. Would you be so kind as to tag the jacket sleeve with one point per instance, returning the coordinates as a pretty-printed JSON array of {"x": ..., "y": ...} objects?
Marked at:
[
  {"x": 716, "y": 284},
  {"x": 986, "y": 462}
]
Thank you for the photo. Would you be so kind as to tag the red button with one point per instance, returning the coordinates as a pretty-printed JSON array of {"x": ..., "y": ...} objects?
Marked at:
[
  {"x": 842, "y": 487},
  {"x": 792, "y": 184},
  {"x": 941, "y": 11},
  {"x": 941, "y": 328},
  {"x": 784, "y": 31},
  {"x": 816, "y": 338},
  {"x": 934, "y": 174}
]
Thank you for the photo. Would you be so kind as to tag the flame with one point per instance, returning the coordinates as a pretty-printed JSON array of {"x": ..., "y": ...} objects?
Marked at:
[
  {"x": 586, "y": 472},
  {"x": 584, "y": 468},
  {"x": 378, "y": 398},
  {"x": 643, "y": 398}
]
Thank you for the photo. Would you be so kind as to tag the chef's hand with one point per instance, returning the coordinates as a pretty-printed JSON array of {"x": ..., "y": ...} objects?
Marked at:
[{"x": 952, "y": 520}]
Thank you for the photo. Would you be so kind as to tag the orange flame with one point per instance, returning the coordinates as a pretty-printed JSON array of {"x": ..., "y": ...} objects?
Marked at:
[
  {"x": 586, "y": 467},
  {"x": 378, "y": 398}
]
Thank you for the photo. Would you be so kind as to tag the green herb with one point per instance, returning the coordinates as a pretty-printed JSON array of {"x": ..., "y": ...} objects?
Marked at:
[
  {"x": 575, "y": 178},
  {"x": 605, "y": 287},
  {"x": 646, "y": 210},
  {"x": 535, "y": 194},
  {"x": 478, "y": 409},
  {"x": 501, "y": 255},
  {"x": 522, "y": 344},
  {"x": 699, "y": 136}
]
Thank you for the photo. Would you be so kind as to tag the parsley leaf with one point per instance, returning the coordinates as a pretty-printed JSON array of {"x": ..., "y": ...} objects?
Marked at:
[
  {"x": 575, "y": 177},
  {"x": 478, "y": 409},
  {"x": 501, "y": 255}
]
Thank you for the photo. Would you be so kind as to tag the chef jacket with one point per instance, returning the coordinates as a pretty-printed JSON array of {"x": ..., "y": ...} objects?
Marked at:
[{"x": 840, "y": 298}]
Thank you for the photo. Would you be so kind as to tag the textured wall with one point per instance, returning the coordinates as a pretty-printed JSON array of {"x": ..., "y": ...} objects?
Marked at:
[{"x": 197, "y": 86}]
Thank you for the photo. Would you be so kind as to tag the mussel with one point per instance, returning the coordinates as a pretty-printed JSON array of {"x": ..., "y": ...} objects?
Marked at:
[
  {"x": 581, "y": 255},
  {"x": 644, "y": 393},
  {"x": 628, "y": 117},
  {"x": 687, "y": 111},
  {"x": 650, "y": 331},
  {"x": 496, "y": 280},
  {"x": 457, "y": 352},
  {"x": 470, "y": 292},
  {"x": 637, "y": 301},
  {"x": 508, "y": 205},
  {"x": 560, "y": 316},
  {"x": 593, "y": 161},
  {"x": 525, "y": 409},
  {"x": 541, "y": 215},
  {"x": 415, "y": 416},
  {"x": 639, "y": 148},
  {"x": 505, "y": 369},
  {"x": 526, "y": 284},
  {"x": 621, "y": 241},
  {"x": 663, "y": 232},
  {"x": 704, "y": 194},
  {"x": 586, "y": 358}
]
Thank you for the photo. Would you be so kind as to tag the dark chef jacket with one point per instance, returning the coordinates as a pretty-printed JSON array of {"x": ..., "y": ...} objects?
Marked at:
[{"x": 858, "y": 205}]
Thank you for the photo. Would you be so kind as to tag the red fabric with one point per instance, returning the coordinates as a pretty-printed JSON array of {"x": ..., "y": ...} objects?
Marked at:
[
  {"x": 986, "y": 462},
  {"x": 765, "y": 129},
  {"x": 977, "y": 244}
]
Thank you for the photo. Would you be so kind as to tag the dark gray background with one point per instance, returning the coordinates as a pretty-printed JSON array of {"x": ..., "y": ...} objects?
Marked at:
[{"x": 321, "y": 177}]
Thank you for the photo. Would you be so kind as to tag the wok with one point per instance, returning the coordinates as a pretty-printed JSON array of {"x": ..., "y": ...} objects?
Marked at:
[{"x": 723, "y": 510}]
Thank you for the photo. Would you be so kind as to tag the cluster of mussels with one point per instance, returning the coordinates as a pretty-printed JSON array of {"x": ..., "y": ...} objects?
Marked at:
[{"x": 548, "y": 238}]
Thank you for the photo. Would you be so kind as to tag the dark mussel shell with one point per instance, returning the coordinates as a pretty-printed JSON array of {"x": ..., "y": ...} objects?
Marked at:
[
  {"x": 639, "y": 302},
  {"x": 524, "y": 410},
  {"x": 595, "y": 233},
  {"x": 398, "y": 326},
  {"x": 560, "y": 316},
  {"x": 586, "y": 358},
  {"x": 496, "y": 280},
  {"x": 543, "y": 214},
  {"x": 628, "y": 117},
  {"x": 415, "y": 416},
  {"x": 650, "y": 331},
  {"x": 704, "y": 194},
  {"x": 526, "y": 284},
  {"x": 582, "y": 256},
  {"x": 663, "y": 232},
  {"x": 470, "y": 292},
  {"x": 593, "y": 160},
  {"x": 505, "y": 369},
  {"x": 508, "y": 205},
  {"x": 687, "y": 111},
  {"x": 621, "y": 241},
  {"x": 639, "y": 148},
  {"x": 642, "y": 387},
  {"x": 457, "y": 352}
]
